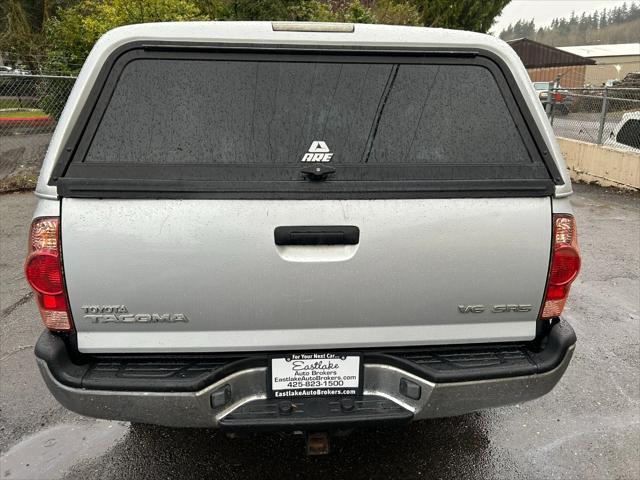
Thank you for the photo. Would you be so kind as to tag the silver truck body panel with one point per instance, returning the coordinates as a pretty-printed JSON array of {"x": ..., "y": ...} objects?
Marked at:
[
  {"x": 562, "y": 205},
  {"x": 215, "y": 262},
  {"x": 47, "y": 208},
  {"x": 262, "y": 33}
]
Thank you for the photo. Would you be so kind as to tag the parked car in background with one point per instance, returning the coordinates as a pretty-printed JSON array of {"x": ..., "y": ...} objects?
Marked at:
[
  {"x": 561, "y": 97},
  {"x": 626, "y": 133},
  {"x": 7, "y": 70}
]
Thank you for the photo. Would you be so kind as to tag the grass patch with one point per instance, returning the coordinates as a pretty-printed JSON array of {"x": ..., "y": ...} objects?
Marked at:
[
  {"x": 17, "y": 183},
  {"x": 37, "y": 113},
  {"x": 18, "y": 102}
]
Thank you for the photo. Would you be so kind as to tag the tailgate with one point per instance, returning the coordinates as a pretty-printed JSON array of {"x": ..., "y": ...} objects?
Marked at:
[{"x": 207, "y": 275}]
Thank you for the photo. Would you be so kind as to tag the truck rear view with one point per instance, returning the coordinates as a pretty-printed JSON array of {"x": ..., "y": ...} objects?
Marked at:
[{"x": 247, "y": 226}]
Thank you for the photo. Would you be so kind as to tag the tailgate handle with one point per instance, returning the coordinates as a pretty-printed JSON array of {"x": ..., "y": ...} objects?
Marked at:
[{"x": 329, "y": 235}]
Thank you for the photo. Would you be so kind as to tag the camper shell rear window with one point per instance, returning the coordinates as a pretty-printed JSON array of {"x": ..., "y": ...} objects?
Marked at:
[{"x": 238, "y": 123}]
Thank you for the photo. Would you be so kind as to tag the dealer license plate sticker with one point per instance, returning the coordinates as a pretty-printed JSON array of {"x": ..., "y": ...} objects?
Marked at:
[{"x": 315, "y": 374}]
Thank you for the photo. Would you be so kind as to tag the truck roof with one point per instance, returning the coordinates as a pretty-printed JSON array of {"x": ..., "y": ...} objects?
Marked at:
[{"x": 294, "y": 34}]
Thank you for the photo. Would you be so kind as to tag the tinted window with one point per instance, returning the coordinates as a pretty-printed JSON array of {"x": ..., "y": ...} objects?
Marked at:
[
  {"x": 240, "y": 123},
  {"x": 267, "y": 113}
]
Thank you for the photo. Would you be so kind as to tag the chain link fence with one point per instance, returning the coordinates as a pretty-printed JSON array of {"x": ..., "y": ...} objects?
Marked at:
[
  {"x": 604, "y": 116},
  {"x": 30, "y": 106},
  {"x": 31, "y": 103}
]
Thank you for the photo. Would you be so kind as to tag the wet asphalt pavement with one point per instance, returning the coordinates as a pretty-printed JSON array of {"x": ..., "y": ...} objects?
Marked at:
[{"x": 588, "y": 427}]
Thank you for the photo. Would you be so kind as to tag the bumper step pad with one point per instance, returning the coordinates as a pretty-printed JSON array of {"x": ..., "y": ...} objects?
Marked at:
[{"x": 313, "y": 413}]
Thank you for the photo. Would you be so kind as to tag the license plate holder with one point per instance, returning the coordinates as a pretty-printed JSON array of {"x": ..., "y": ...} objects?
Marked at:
[{"x": 315, "y": 375}]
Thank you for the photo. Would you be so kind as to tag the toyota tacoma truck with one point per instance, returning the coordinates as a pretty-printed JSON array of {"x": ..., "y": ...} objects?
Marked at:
[{"x": 301, "y": 227}]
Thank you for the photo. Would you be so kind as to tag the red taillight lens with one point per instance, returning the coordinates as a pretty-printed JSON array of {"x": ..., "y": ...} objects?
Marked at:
[
  {"x": 565, "y": 265},
  {"x": 43, "y": 273},
  {"x": 43, "y": 270}
]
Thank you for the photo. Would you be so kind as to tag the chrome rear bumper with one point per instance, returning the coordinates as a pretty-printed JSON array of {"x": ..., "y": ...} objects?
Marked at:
[{"x": 216, "y": 404}]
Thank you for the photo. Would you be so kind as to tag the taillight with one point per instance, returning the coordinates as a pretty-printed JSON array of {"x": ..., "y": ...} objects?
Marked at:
[
  {"x": 565, "y": 265},
  {"x": 43, "y": 270}
]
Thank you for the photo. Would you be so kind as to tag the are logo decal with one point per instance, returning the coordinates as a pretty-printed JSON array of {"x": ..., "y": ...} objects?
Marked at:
[{"x": 318, "y": 152}]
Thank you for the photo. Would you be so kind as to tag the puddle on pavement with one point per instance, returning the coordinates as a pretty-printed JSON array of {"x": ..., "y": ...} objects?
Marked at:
[{"x": 52, "y": 452}]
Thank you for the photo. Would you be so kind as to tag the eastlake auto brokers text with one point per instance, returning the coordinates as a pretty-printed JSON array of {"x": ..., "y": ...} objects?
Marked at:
[{"x": 310, "y": 378}]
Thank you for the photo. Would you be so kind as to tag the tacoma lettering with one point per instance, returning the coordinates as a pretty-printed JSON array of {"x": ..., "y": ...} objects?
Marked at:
[{"x": 138, "y": 318}]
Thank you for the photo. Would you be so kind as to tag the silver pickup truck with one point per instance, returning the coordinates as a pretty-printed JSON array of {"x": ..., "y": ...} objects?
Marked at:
[{"x": 301, "y": 227}]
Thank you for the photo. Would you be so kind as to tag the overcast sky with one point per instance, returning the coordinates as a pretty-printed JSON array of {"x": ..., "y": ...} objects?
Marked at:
[{"x": 543, "y": 11}]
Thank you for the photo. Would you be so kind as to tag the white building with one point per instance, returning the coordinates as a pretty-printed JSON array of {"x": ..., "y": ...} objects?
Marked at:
[{"x": 612, "y": 61}]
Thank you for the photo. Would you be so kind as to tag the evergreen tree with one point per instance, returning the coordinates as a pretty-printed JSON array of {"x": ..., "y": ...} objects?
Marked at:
[
  {"x": 615, "y": 16},
  {"x": 604, "y": 18},
  {"x": 473, "y": 15},
  {"x": 616, "y": 25},
  {"x": 623, "y": 12}
]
